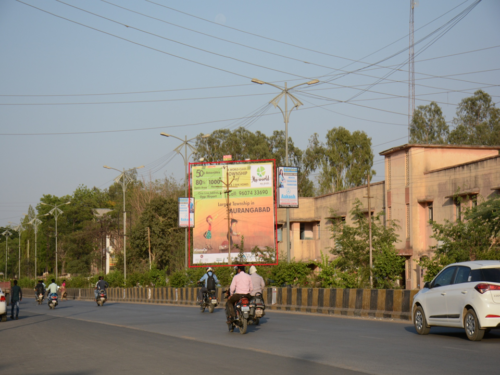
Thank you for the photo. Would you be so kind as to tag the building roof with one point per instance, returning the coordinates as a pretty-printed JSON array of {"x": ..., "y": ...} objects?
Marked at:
[
  {"x": 353, "y": 188},
  {"x": 411, "y": 145},
  {"x": 463, "y": 164}
]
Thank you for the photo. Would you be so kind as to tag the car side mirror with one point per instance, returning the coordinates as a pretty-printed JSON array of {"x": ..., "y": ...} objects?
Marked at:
[{"x": 427, "y": 285}]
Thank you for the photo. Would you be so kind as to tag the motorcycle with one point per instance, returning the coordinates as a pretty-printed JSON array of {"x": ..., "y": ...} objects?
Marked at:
[
  {"x": 40, "y": 298},
  {"x": 53, "y": 302},
  {"x": 101, "y": 297},
  {"x": 209, "y": 300},
  {"x": 242, "y": 311},
  {"x": 257, "y": 309}
]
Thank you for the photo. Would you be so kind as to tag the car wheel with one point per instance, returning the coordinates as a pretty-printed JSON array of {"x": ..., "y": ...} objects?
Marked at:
[
  {"x": 420, "y": 322},
  {"x": 472, "y": 329}
]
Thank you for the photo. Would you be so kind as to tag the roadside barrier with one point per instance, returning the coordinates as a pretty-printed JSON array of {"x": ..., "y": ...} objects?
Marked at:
[{"x": 374, "y": 303}]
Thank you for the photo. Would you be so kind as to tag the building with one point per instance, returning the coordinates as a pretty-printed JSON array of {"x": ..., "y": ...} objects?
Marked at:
[{"x": 423, "y": 182}]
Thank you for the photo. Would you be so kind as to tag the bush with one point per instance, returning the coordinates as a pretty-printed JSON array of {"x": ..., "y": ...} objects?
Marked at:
[{"x": 178, "y": 279}]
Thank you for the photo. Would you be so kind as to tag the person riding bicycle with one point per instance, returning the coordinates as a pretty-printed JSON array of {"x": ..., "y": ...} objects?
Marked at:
[
  {"x": 240, "y": 286},
  {"x": 210, "y": 283}
]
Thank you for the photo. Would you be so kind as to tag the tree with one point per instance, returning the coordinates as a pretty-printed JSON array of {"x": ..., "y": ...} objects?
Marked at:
[
  {"x": 345, "y": 159},
  {"x": 243, "y": 144},
  {"x": 351, "y": 246},
  {"x": 477, "y": 121},
  {"x": 475, "y": 237},
  {"x": 428, "y": 125},
  {"x": 167, "y": 240}
]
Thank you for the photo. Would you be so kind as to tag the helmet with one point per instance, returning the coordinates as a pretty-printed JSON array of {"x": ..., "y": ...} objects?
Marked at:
[
  {"x": 209, "y": 269},
  {"x": 253, "y": 270}
]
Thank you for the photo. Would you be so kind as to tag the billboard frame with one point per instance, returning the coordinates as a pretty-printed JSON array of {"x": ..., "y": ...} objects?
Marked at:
[{"x": 275, "y": 201}]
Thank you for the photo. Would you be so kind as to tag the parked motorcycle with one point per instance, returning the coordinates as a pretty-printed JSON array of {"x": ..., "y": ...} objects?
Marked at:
[
  {"x": 40, "y": 298},
  {"x": 209, "y": 300},
  {"x": 53, "y": 301},
  {"x": 101, "y": 297}
]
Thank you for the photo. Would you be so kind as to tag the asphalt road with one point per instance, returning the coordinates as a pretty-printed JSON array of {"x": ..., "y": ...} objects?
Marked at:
[{"x": 79, "y": 338}]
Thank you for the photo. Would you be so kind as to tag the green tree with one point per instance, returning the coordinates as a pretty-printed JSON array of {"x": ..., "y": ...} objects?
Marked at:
[
  {"x": 243, "y": 144},
  {"x": 428, "y": 125},
  {"x": 344, "y": 160},
  {"x": 477, "y": 121},
  {"x": 352, "y": 245}
]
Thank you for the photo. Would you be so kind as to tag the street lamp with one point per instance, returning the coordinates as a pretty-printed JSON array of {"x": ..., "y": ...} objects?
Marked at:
[
  {"x": 185, "y": 143},
  {"x": 35, "y": 222},
  {"x": 56, "y": 211},
  {"x": 19, "y": 229},
  {"x": 285, "y": 91},
  {"x": 124, "y": 179},
  {"x": 6, "y": 234}
]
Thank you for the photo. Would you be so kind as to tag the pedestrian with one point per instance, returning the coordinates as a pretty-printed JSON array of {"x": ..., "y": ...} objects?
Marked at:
[
  {"x": 17, "y": 296},
  {"x": 63, "y": 290}
]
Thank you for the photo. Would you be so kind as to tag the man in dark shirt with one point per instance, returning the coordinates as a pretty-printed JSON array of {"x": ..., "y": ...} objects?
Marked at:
[{"x": 17, "y": 296}]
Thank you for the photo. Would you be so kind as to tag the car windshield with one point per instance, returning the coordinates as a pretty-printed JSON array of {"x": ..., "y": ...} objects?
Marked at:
[{"x": 491, "y": 275}]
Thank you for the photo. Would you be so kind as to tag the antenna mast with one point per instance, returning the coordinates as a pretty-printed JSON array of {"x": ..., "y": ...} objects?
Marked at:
[{"x": 411, "y": 69}]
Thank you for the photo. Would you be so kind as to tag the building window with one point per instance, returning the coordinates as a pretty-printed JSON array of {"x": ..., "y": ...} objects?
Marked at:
[
  {"x": 280, "y": 234},
  {"x": 407, "y": 221},
  {"x": 431, "y": 212},
  {"x": 459, "y": 210},
  {"x": 306, "y": 231}
]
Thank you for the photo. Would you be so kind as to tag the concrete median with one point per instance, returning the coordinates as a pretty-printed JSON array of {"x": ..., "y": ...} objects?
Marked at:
[{"x": 368, "y": 303}]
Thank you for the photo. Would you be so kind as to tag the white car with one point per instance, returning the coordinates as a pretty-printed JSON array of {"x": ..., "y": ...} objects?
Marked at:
[
  {"x": 3, "y": 306},
  {"x": 463, "y": 295}
]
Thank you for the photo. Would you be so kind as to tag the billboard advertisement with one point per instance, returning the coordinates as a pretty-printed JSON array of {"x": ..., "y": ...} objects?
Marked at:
[
  {"x": 288, "y": 193},
  {"x": 241, "y": 223},
  {"x": 186, "y": 212}
]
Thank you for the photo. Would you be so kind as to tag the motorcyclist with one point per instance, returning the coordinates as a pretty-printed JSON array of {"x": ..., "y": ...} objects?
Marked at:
[
  {"x": 52, "y": 288},
  {"x": 39, "y": 289},
  {"x": 100, "y": 285},
  {"x": 240, "y": 286},
  {"x": 258, "y": 282},
  {"x": 209, "y": 281}
]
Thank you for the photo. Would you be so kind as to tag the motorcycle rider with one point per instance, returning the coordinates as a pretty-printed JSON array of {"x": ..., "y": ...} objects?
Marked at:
[
  {"x": 210, "y": 281},
  {"x": 39, "y": 289},
  {"x": 52, "y": 288},
  {"x": 258, "y": 282},
  {"x": 240, "y": 286},
  {"x": 100, "y": 285}
]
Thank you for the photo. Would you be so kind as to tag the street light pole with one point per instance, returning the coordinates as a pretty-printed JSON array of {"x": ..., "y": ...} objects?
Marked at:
[
  {"x": 6, "y": 234},
  {"x": 35, "y": 222},
  {"x": 185, "y": 143},
  {"x": 19, "y": 229},
  {"x": 124, "y": 181},
  {"x": 56, "y": 211},
  {"x": 286, "y": 116}
]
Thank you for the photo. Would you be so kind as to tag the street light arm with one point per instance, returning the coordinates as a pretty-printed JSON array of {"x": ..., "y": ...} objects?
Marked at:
[
  {"x": 170, "y": 135},
  {"x": 267, "y": 83},
  {"x": 105, "y": 166}
]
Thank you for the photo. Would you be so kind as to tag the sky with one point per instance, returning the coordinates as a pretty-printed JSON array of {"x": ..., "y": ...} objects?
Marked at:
[{"x": 79, "y": 91}]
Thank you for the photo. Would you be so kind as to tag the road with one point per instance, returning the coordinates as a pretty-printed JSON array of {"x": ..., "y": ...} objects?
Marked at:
[{"x": 79, "y": 338}]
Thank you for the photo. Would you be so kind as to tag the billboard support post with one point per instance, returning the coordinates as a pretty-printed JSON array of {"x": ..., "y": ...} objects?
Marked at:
[{"x": 227, "y": 184}]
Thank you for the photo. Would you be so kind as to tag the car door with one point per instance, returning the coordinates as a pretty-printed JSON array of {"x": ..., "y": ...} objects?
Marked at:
[
  {"x": 457, "y": 294},
  {"x": 435, "y": 299}
]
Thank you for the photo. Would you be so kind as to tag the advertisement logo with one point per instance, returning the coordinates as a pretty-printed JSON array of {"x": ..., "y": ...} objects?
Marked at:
[{"x": 261, "y": 172}]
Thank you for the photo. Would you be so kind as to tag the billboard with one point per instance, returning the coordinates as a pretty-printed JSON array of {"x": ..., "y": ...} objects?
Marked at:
[
  {"x": 288, "y": 193},
  {"x": 237, "y": 224},
  {"x": 186, "y": 212}
]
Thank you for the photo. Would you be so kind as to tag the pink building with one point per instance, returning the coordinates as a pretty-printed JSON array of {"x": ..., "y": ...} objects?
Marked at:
[{"x": 422, "y": 184}]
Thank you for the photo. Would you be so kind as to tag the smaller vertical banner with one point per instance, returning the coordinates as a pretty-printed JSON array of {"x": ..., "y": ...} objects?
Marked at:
[
  {"x": 288, "y": 193},
  {"x": 186, "y": 212}
]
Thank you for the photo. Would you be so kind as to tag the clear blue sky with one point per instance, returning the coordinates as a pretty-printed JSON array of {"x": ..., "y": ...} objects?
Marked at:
[{"x": 45, "y": 55}]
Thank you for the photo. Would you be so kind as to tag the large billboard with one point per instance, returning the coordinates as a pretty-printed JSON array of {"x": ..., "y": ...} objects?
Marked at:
[
  {"x": 247, "y": 230},
  {"x": 288, "y": 193}
]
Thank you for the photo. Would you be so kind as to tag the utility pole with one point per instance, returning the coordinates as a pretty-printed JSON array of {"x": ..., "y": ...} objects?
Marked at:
[
  {"x": 227, "y": 184},
  {"x": 149, "y": 246},
  {"x": 56, "y": 211},
  {"x": 6, "y": 234},
  {"x": 370, "y": 230},
  {"x": 35, "y": 222},
  {"x": 28, "y": 258},
  {"x": 19, "y": 229},
  {"x": 123, "y": 179},
  {"x": 185, "y": 143},
  {"x": 286, "y": 116}
]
